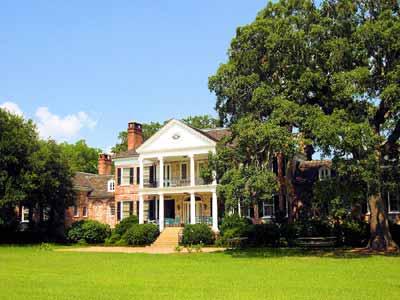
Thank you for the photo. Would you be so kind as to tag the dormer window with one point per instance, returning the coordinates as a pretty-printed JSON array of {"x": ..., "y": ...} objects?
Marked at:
[
  {"x": 324, "y": 173},
  {"x": 111, "y": 185}
]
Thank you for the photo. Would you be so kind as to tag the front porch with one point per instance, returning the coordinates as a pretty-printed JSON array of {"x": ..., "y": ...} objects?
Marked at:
[{"x": 176, "y": 210}]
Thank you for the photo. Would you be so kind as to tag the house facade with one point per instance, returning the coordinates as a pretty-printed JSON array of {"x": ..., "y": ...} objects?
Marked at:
[{"x": 159, "y": 180}]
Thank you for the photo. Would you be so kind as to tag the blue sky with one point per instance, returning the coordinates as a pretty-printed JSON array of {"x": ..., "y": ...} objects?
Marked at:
[{"x": 83, "y": 69}]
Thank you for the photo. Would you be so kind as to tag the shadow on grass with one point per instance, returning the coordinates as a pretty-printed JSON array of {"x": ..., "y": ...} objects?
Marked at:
[{"x": 340, "y": 253}]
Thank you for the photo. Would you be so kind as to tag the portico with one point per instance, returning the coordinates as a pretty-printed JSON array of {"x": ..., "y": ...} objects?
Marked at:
[{"x": 170, "y": 164}]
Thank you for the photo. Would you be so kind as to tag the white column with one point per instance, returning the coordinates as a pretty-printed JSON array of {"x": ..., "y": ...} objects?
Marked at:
[
  {"x": 141, "y": 172},
  {"x": 121, "y": 212},
  {"x": 192, "y": 208},
  {"x": 239, "y": 212},
  {"x": 214, "y": 176},
  {"x": 161, "y": 160},
  {"x": 141, "y": 209},
  {"x": 192, "y": 178},
  {"x": 214, "y": 212},
  {"x": 161, "y": 212}
]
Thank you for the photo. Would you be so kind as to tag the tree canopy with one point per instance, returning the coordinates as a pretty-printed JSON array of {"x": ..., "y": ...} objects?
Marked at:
[
  {"x": 80, "y": 156},
  {"x": 33, "y": 173},
  {"x": 333, "y": 73}
]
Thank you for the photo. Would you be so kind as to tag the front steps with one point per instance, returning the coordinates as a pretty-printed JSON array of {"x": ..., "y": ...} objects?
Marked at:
[{"x": 169, "y": 238}]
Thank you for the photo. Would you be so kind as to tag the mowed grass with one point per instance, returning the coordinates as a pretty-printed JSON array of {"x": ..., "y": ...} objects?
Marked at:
[{"x": 31, "y": 273}]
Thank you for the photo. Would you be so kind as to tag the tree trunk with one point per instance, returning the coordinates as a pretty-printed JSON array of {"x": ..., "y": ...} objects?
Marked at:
[{"x": 381, "y": 239}]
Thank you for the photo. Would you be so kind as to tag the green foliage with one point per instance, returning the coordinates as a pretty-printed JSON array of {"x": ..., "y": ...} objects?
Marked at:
[
  {"x": 18, "y": 142},
  {"x": 353, "y": 233},
  {"x": 197, "y": 234},
  {"x": 33, "y": 173},
  {"x": 141, "y": 234},
  {"x": 332, "y": 72},
  {"x": 233, "y": 221},
  {"x": 113, "y": 239},
  {"x": 81, "y": 157},
  {"x": 126, "y": 224},
  {"x": 92, "y": 232}
]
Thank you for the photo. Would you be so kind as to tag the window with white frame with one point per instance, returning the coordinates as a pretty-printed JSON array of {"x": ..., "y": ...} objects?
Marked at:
[
  {"x": 76, "y": 211},
  {"x": 126, "y": 172},
  {"x": 324, "y": 173},
  {"x": 393, "y": 200},
  {"x": 111, "y": 185},
  {"x": 24, "y": 214},
  {"x": 46, "y": 213},
  {"x": 84, "y": 211},
  {"x": 268, "y": 208},
  {"x": 112, "y": 209}
]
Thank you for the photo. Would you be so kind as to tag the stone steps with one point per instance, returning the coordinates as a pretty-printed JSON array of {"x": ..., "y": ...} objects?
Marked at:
[{"x": 168, "y": 238}]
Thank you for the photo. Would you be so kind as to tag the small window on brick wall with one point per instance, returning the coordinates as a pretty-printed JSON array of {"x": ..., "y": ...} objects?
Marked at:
[
  {"x": 111, "y": 185},
  {"x": 76, "y": 211},
  {"x": 84, "y": 212}
]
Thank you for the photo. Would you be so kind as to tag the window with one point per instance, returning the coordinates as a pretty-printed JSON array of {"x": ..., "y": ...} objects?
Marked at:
[
  {"x": 324, "y": 173},
  {"x": 76, "y": 211},
  {"x": 84, "y": 212},
  {"x": 111, "y": 185},
  {"x": 46, "y": 213},
  {"x": 125, "y": 176},
  {"x": 112, "y": 209},
  {"x": 268, "y": 208},
  {"x": 184, "y": 174},
  {"x": 127, "y": 209},
  {"x": 393, "y": 202},
  {"x": 24, "y": 214}
]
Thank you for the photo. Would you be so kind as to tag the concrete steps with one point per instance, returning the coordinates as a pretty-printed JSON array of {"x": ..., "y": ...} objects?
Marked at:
[{"x": 169, "y": 238}]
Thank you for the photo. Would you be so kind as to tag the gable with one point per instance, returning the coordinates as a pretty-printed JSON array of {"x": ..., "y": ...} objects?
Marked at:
[{"x": 175, "y": 135}]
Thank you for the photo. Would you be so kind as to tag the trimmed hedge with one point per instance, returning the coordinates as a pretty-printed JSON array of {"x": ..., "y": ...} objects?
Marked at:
[
  {"x": 197, "y": 234},
  {"x": 92, "y": 232},
  {"x": 141, "y": 234}
]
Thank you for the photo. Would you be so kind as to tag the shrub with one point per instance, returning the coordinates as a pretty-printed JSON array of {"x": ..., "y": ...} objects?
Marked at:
[
  {"x": 233, "y": 221},
  {"x": 263, "y": 235},
  {"x": 127, "y": 223},
  {"x": 141, "y": 234},
  {"x": 113, "y": 239},
  {"x": 92, "y": 232},
  {"x": 197, "y": 234},
  {"x": 355, "y": 233}
]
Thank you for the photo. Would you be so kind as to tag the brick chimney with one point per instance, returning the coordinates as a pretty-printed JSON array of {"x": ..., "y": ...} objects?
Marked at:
[
  {"x": 104, "y": 164},
  {"x": 135, "y": 135}
]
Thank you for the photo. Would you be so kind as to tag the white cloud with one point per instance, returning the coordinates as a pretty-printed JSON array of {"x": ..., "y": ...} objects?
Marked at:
[
  {"x": 62, "y": 128},
  {"x": 12, "y": 108}
]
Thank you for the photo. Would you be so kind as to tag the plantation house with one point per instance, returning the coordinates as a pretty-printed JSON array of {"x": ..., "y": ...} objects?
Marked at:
[{"x": 160, "y": 182}]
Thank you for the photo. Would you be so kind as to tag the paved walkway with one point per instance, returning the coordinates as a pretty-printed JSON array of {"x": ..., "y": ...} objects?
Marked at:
[{"x": 136, "y": 250}]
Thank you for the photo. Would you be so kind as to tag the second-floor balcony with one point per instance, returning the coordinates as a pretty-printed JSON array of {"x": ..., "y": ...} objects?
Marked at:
[{"x": 172, "y": 182}]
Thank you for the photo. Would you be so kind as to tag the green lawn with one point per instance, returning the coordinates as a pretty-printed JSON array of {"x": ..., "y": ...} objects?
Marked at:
[{"x": 31, "y": 273}]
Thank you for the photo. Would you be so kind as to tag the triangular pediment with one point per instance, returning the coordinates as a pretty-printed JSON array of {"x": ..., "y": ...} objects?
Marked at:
[{"x": 175, "y": 135}]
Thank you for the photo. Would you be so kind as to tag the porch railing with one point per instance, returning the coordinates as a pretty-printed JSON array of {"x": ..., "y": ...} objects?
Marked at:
[{"x": 173, "y": 182}]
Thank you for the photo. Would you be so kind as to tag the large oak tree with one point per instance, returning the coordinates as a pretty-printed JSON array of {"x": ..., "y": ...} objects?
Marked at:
[{"x": 333, "y": 72}]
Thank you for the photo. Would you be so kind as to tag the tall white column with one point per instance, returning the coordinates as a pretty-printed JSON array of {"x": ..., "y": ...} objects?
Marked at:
[
  {"x": 192, "y": 178},
  {"x": 161, "y": 212},
  {"x": 214, "y": 176},
  {"x": 192, "y": 208},
  {"x": 214, "y": 212},
  {"x": 141, "y": 209},
  {"x": 161, "y": 160},
  {"x": 141, "y": 172}
]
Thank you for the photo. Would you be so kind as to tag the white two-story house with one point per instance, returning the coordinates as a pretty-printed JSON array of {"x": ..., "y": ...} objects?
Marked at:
[{"x": 159, "y": 180}]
